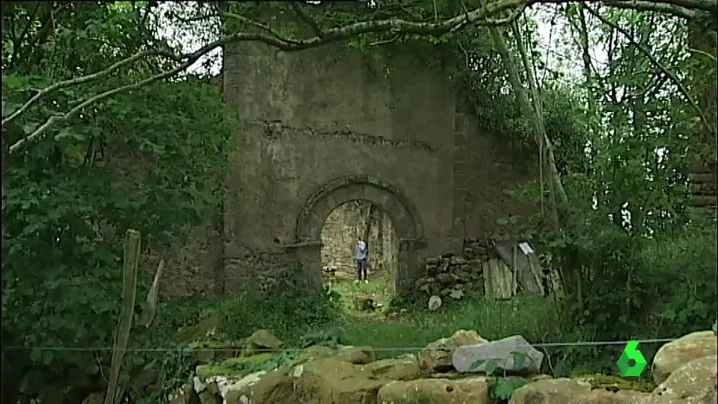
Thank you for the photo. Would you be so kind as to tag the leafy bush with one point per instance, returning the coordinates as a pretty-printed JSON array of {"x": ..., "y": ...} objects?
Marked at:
[
  {"x": 64, "y": 217},
  {"x": 681, "y": 270},
  {"x": 290, "y": 313}
]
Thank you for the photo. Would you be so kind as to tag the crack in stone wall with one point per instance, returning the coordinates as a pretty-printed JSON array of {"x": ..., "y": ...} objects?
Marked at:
[{"x": 278, "y": 130}]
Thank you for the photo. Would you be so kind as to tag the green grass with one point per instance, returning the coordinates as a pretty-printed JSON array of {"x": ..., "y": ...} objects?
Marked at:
[
  {"x": 534, "y": 318},
  {"x": 291, "y": 316},
  {"x": 380, "y": 288}
]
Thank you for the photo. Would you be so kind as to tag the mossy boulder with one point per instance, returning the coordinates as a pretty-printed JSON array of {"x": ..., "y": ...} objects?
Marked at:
[
  {"x": 673, "y": 355},
  {"x": 615, "y": 383},
  {"x": 261, "y": 341},
  {"x": 237, "y": 368},
  {"x": 207, "y": 328},
  {"x": 572, "y": 391},
  {"x": 357, "y": 355},
  {"x": 274, "y": 387},
  {"x": 211, "y": 350},
  {"x": 330, "y": 380},
  {"x": 436, "y": 391}
]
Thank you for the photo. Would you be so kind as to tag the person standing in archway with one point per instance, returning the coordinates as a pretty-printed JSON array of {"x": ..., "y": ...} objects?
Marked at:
[{"x": 361, "y": 253}]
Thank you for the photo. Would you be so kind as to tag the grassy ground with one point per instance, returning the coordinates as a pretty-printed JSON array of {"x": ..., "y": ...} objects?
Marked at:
[
  {"x": 380, "y": 288},
  {"x": 291, "y": 317},
  {"x": 534, "y": 318}
]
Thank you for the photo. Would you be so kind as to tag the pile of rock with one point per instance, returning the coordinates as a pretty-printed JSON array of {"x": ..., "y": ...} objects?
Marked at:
[
  {"x": 445, "y": 372},
  {"x": 478, "y": 249},
  {"x": 447, "y": 274}
]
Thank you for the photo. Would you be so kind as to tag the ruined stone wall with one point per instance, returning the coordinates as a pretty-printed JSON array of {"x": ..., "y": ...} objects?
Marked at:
[
  {"x": 486, "y": 166},
  {"x": 308, "y": 118},
  {"x": 703, "y": 201},
  {"x": 312, "y": 117},
  {"x": 194, "y": 267}
]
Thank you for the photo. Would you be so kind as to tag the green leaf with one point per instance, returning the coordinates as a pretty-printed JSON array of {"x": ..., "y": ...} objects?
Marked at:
[
  {"x": 66, "y": 133},
  {"x": 486, "y": 366},
  {"x": 8, "y": 108},
  {"x": 14, "y": 81},
  {"x": 503, "y": 388},
  {"x": 520, "y": 359}
]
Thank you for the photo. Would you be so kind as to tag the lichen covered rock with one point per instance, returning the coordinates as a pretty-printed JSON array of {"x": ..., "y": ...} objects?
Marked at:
[
  {"x": 436, "y": 391},
  {"x": 675, "y": 354}
]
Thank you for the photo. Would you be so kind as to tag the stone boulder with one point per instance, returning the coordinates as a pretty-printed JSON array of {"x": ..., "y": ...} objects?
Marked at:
[
  {"x": 675, "y": 354},
  {"x": 434, "y": 303},
  {"x": 570, "y": 391},
  {"x": 207, "y": 327},
  {"x": 183, "y": 395},
  {"x": 357, "y": 355},
  {"x": 332, "y": 381},
  {"x": 513, "y": 355},
  {"x": 402, "y": 368},
  {"x": 437, "y": 355},
  {"x": 445, "y": 279},
  {"x": 273, "y": 387},
  {"x": 261, "y": 340},
  {"x": 693, "y": 383},
  {"x": 436, "y": 391}
]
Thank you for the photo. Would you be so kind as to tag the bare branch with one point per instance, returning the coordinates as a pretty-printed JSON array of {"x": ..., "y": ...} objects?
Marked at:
[
  {"x": 679, "y": 8},
  {"x": 79, "y": 80},
  {"x": 385, "y": 42},
  {"x": 189, "y": 61},
  {"x": 683, "y": 90},
  {"x": 703, "y": 53},
  {"x": 653, "y": 6},
  {"x": 272, "y": 39},
  {"x": 260, "y": 25},
  {"x": 479, "y": 16},
  {"x": 510, "y": 18}
]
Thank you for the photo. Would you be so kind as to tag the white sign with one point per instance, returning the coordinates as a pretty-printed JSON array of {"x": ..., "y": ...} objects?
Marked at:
[{"x": 526, "y": 248}]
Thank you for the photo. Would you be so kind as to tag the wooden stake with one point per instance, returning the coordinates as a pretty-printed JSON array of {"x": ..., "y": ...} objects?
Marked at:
[
  {"x": 148, "y": 314},
  {"x": 129, "y": 291}
]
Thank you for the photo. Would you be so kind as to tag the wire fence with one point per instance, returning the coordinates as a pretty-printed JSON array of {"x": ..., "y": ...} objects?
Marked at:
[{"x": 378, "y": 349}]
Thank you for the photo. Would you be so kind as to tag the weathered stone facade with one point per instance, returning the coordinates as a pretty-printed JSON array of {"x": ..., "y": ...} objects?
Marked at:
[{"x": 319, "y": 131}]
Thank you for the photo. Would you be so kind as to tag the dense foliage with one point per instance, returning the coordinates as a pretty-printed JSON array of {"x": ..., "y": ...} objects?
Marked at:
[{"x": 151, "y": 159}]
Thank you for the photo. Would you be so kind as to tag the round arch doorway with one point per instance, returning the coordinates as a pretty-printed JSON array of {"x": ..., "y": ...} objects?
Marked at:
[{"x": 404, "y": 217}]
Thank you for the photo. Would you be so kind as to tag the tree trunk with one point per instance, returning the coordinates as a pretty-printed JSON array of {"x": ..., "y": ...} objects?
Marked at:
[{"x": 535, "y": 112}]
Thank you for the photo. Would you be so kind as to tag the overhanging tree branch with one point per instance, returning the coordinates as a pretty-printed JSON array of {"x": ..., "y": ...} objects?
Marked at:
[
  {"x": 659, "y": 7},
  {"x": 81, "y": 80},
  {"x": 271, "y": 38},
  {"x": 479, "y": 16},
  {"x": 50, "y": 122},
  {"x": 681, "y": 88},
  {"x": 678, "y": 8}
]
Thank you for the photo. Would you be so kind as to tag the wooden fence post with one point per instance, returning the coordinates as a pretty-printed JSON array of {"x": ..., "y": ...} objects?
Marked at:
[{"x": 129, "y": 291}]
